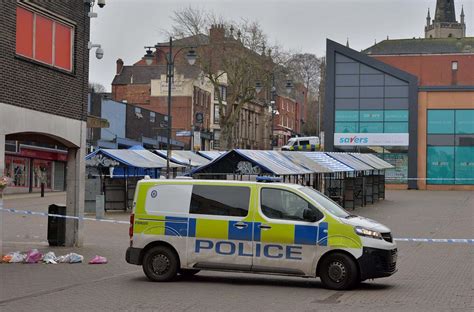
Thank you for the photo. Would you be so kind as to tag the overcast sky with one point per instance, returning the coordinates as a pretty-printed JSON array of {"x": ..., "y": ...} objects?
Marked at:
[{"x": 124, "y": 27}]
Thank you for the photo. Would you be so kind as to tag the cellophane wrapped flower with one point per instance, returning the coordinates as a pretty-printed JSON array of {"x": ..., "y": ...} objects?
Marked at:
[{"x": 4, "y": 181}]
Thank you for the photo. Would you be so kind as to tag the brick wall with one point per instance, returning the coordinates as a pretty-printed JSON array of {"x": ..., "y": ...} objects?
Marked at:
[
  {"x": 137, "y": 127},
  {"x": 133, "y": 93},
  {"x": 435, "y": 70},
  {"x": 31, "y": 85}
]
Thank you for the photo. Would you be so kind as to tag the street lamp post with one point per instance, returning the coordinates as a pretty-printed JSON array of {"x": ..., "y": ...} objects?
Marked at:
[
  {"x": 191, "y": 56},
  {"x": 273, "y": 94}
]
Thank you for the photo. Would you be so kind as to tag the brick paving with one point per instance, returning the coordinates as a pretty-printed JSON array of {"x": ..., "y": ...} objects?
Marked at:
[{"x": 431, "y": 277}]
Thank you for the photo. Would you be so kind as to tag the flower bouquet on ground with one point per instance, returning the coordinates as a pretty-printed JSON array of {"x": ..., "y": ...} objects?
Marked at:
[{"x": 4, "y": 181}]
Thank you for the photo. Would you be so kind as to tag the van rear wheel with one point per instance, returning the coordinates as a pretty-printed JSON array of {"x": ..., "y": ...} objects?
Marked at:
[
  {"x": 339, "y": 272},
  {"x": 160, "y": 264}
]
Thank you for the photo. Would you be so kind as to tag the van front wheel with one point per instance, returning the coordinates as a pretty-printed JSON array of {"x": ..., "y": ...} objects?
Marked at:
[
  {"x": 339, "y": 272},
  {"x": 160, "y": 264}
]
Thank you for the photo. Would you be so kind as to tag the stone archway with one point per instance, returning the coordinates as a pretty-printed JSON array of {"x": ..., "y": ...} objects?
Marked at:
[{"x": 17, "y": 123}]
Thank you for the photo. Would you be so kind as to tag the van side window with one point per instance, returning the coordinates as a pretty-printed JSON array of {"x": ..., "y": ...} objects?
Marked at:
[
  {"x": 305, "y": 142},
  {"x": 285, "y": 205},
  {"x": 160, "y": 197},
  {"x": 220, "y": 200}
]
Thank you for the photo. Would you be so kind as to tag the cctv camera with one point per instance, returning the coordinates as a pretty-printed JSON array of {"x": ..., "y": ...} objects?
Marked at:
[
  {"x": 99, "y": 53},
  {"x": 101, "y": 3}
]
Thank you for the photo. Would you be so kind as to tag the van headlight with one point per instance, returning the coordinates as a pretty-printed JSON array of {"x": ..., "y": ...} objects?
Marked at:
[{"x": 367, "y": 233}]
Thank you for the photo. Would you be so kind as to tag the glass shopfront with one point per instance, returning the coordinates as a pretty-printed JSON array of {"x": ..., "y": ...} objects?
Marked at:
[
  {"x": 17, "y": 169},
  {"x": 42, "y": 172},
  {"x": 397, "y": 156},
  {"x": 450, "y": 146},
  {"x": 29, "y": 167},
  {"x": 371, "y": 114}
]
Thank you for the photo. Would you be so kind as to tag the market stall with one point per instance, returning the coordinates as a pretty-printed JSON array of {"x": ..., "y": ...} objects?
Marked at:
[
  {"x": 355, "y": 185},
  {"x": 375, "y": 185},
  {"x": 115, "y": 172},
  {"x": 188, "y": 159},
  {"x": 242, "y": 164},
  {"x": 334, "y": 182}
]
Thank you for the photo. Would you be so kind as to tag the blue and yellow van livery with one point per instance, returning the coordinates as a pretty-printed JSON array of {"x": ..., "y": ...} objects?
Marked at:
[{"x": 183, "y": 226}]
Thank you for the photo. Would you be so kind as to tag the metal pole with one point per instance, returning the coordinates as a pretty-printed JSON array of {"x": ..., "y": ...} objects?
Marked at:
[
  {"x": 319, "y": 116},
  {"x": 170, "y": 64},
  {"x": 273, "y": 105}
]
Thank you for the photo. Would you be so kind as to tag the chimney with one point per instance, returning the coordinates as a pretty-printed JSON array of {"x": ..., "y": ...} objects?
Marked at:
[
  {"x": 217, "y": 33},
  {"x": 119, "y": 66}
]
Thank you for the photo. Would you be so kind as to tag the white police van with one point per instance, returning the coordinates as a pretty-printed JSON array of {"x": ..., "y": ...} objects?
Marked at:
[
  {"x": 302, "y": 144},
  {"x": 183, "y": 226}
]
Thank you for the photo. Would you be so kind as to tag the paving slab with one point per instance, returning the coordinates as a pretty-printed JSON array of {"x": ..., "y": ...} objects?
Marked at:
[{"x": 431, "y": 277}]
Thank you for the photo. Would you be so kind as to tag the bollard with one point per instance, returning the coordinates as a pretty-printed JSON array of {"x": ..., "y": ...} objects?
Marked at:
[{"x": 99, "y": 206}]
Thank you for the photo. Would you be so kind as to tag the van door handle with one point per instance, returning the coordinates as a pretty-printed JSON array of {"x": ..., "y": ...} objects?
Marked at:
[
  {"x": 241, "y": 225},
  {"x": 264, "y": 226}
]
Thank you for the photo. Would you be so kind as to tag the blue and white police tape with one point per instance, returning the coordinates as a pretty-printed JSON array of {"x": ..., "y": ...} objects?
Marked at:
[
  {"x": 437, "y": 240},
  {"x": 427, "y": 179},
  {"x": 44, "y": 214},
  {"x": 415, "y": 240}
]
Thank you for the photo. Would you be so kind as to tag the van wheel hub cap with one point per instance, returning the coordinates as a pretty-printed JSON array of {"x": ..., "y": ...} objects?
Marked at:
[
  {"x": 337, "y": 271},
  {"x": 160, "y": 264}
]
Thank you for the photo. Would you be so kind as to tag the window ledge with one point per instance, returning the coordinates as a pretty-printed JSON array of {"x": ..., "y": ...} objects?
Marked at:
[{"x": 33, "y": 61}]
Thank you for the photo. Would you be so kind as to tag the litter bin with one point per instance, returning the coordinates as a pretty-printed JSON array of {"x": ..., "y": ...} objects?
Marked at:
[{"x": 56, "y": 226}]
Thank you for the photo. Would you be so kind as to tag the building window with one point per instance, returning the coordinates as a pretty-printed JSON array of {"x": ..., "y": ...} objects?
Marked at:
[
  {"x": 450, "y": 147},
  {"x": 42, "y": 172},
  {"x": 152, "y": 116},
  {"x": 371, "y": 121},
  {"x": 454, "y": 65},
  {"x": 44, "y": 39},
  {"x": 138, "y": 112},
  {"x": 17, "y": 169},
  {"x": 220, "y": 200},
  {"x": 216, "y": 114},
  {"x": 223, "y": 92}
]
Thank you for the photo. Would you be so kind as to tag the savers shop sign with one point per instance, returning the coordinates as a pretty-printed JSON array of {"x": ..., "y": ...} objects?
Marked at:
[{"x": 371, "y": 139}]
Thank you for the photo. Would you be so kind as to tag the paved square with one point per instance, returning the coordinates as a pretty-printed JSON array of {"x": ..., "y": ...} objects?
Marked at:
[{"x": 431, "y": 277}]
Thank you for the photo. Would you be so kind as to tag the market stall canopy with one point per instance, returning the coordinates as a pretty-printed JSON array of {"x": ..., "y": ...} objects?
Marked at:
[
  {"x": 185, "y": 158},
  {"x": 274, "y": 161},
  {"x": 372, "y": 160},
  {"x": 350, "y": 161},
  {"x": 328, "y": 162},
  {"x": 211, "y": 155},
  {"x": 305, "y": 162},
  {"x": 126, "y": 158},
  {"x": 252, "y": 162}
]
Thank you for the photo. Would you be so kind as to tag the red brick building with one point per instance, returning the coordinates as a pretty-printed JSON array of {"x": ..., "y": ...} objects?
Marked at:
[
  {"x": 146, "y": 86},
  {"x": 286, "y": 120},
  {"x": 192, "y": 95}
]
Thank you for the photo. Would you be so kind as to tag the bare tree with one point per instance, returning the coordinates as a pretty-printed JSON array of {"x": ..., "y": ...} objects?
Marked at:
[
  {"x": 188, "y": 22},
  {"x": 305, "y": 67},
  {"x": 243, "y": 57},
  {"x": 240, "y": 67},
  {"x": 95, "y": 87}
]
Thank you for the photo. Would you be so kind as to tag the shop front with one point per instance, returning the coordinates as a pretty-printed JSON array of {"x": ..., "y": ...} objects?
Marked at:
[
  {"x": 31, "y": 166},
  {"x": 371, "y": 107}
]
